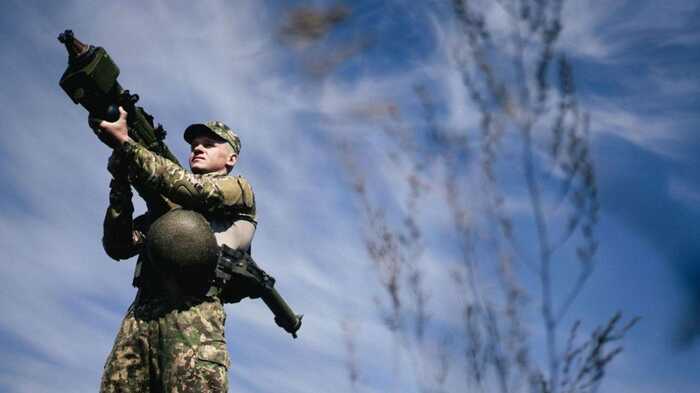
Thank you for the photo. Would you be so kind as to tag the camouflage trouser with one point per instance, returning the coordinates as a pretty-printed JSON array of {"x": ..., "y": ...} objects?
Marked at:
[{"x": 166, "y": 348}]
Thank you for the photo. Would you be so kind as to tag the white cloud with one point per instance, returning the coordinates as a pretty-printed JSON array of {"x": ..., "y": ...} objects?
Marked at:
[
  {"x": 585, "y": 26},
  {"x": 659, "y": 134},
  {"x": 601, "y": 30},
  {"x": 677, "y": 85}
]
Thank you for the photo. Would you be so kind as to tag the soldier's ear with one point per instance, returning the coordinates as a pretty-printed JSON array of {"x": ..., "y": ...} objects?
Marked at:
[{"x": 232, "y": 160}]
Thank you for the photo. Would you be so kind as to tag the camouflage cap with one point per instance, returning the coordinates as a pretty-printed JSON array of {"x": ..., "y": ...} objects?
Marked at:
[{"x": 217, "y": 128}]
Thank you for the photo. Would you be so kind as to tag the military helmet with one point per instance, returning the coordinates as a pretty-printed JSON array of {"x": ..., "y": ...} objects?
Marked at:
[{"x": 182, "y": 242}]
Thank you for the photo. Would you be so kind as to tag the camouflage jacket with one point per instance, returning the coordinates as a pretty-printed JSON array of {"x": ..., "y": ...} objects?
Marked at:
[{"x": 213, "y": 195}]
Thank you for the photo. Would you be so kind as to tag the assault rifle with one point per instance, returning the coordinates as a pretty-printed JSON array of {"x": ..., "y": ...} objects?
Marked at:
[{"x": 236, "y": 272}]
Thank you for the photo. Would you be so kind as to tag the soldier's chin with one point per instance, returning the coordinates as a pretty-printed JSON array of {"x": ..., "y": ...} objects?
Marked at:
[{"x": 195, "y": 168}]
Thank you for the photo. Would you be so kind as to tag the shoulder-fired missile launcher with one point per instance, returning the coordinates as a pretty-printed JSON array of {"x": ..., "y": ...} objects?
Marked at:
[{"x": 91, "y": 81}]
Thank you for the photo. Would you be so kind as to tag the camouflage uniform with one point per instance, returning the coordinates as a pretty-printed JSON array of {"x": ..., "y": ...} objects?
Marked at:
[{"x": 168, "y": 343}]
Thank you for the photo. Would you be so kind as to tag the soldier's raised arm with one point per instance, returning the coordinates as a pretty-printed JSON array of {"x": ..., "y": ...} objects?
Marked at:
[{"x": 207, "y": 194}]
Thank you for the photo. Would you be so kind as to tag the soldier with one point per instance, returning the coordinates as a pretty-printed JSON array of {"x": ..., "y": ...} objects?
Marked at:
[{"x": 172, "y": 337}]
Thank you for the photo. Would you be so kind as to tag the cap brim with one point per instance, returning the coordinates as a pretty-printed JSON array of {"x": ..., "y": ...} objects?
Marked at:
[{"x": 196, "y": 129}]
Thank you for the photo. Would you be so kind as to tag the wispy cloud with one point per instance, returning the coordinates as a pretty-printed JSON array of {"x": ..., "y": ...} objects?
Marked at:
[{"x": 655, "y": 133}]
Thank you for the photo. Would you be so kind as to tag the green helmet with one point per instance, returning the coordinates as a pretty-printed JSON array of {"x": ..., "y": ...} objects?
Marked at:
[{"x": 182, "y": 242}]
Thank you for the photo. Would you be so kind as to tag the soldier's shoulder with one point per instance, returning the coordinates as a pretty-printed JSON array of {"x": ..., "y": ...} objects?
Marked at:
[
  {"x": 229, "y": 179},
  {"x": 237, "y": 190},
  {"x": 243, "y": 182},
  {"x": 239, "y": 178},
  {"x": 247, "y": 191}
]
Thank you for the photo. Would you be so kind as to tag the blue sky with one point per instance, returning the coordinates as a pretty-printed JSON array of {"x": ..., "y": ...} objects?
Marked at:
[{"x": 62, "y": 298}]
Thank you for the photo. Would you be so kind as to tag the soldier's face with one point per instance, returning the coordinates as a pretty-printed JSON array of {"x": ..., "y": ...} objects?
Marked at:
[{"x": 209, "y": 154}]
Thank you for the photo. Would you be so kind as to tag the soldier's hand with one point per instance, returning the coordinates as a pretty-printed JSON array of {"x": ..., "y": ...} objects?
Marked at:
[
  {"x": 113, "y": 134},
  {"x": 94, "y": 123}
]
